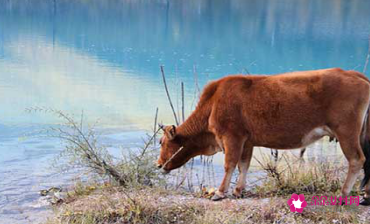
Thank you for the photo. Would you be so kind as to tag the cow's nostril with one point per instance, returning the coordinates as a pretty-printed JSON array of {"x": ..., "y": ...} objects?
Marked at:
[{"x": 159, "y": 166}]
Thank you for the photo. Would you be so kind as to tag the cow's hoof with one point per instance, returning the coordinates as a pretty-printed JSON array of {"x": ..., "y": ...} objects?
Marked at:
[
  {"x": 236, "y": 195},
  {"x": 217, "y": 197},
  {"x": 365, "y": 202},
  {"x": 233, "y": 196}
]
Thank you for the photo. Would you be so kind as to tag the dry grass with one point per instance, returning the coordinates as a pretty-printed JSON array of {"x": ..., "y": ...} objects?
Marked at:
[
  {"x": 106, "y": 203},
  {"x": 156, "y": 205},
  {"x": 291, "y": 175}
]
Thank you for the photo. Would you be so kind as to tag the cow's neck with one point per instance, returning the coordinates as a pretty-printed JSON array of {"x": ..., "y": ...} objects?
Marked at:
[
  {"x": 194, "y": 133},
  {"x": 195, "y": 125}
]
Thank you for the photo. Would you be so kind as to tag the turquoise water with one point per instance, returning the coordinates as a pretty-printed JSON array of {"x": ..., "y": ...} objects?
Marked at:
[{"x": 103, "y": 58}]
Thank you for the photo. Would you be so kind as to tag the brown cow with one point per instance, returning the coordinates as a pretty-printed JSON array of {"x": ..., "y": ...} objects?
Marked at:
[{"x": 285, "y": 111}]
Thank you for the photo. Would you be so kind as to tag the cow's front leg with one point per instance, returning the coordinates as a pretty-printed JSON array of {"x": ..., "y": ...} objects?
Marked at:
[{"x": 233, "y": 149}]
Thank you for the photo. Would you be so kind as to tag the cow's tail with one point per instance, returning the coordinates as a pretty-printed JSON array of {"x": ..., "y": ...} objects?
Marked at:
[{"x": 365, "y": 142}]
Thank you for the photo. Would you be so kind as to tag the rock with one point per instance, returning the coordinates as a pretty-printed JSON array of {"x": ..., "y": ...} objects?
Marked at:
[{"x": 53, "y": 195}]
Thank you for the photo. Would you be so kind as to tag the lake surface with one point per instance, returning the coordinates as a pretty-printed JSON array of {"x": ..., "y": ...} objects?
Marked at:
[{"x": 103, "y": 58}]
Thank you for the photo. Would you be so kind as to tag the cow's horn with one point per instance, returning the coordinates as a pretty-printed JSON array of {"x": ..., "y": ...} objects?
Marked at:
[{"x": 161, "y": 126}]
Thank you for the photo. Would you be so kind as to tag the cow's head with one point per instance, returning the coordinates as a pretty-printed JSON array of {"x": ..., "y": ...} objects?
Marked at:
[{"x": 174, "y": 153}]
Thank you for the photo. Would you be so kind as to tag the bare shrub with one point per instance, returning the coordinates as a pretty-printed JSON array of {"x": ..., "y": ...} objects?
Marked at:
[{"x": 83, "y": 150}]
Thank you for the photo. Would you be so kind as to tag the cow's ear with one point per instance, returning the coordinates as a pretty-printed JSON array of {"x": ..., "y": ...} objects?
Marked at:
[{"x": 170, "y": 132}]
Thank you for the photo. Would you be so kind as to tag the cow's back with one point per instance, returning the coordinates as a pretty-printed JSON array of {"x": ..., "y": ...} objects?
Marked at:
[{"x": 279, "y": 110}]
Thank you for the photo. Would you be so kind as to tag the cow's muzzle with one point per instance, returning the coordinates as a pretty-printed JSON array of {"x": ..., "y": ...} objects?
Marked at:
[{"x": 163, "y": 171}]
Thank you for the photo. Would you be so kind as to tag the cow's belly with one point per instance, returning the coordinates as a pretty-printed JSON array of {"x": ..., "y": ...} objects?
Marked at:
[{"x": 293, "y": 140}]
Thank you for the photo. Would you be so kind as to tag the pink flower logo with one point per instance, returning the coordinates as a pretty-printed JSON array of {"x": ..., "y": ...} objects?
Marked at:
[{"x": 297, "y": 203}]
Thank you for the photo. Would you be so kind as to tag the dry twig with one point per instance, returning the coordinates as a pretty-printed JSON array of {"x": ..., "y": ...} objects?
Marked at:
[{"x": 168, "y": 95}]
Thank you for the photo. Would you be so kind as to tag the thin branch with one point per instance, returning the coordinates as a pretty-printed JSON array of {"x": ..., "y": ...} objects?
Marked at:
[
  {"x": 168, "y": 95},
  {"x": 155, "y": 128},
  {"x": 82, "y": 119},
  {"x": 197, "y": 89},
  {"x": 247, "y": 71},
  {"x": 149, "y": 142},
  {"x": 182, "y": 102},
  {"x": 196, "y": 80},
  {"x": 275, "y": 154},
  {"x": 301, "y": 154},
  {"x": 367, "y": 57}
]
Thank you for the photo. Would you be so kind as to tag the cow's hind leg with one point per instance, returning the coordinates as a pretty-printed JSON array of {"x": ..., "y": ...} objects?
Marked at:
[
  {"x": 233, "y": 149},
  {"x": 353, "y": 152},
  {"x": 243, "y": 166},
  {"x": 366, "y": 199}
]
